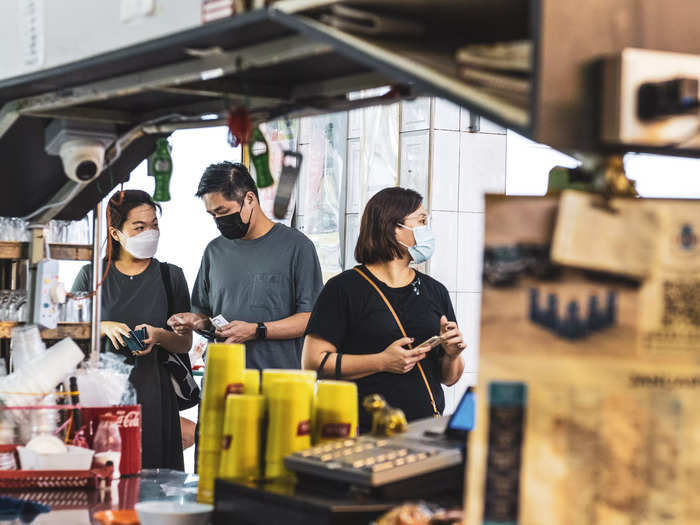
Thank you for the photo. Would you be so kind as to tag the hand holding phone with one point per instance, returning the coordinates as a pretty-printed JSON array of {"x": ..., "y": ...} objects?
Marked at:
[{"x": 430, "y": 343}]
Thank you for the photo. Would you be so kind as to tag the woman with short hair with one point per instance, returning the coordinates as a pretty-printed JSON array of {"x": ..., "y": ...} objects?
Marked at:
[{"x": 369, "y": 321}]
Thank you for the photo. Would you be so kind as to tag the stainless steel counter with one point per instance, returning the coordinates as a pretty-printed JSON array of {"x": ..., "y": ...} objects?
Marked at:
[{"x": 78, "y": 507}]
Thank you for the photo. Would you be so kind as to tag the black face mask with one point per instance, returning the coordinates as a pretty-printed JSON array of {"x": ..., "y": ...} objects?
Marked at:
[{"x": 232, "y": 226}]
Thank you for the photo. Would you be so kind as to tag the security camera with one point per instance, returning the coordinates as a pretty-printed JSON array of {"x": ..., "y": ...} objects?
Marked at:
[
  {"x": 82, "y": 159},
  {"x": 81, "y": 147}
]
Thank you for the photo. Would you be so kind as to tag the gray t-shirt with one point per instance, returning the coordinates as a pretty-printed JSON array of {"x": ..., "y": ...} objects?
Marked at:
[{"x": 260, "y": 280}]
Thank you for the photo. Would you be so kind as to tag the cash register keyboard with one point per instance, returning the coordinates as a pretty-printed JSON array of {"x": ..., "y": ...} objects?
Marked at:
[{"x": 372, "y": 461}]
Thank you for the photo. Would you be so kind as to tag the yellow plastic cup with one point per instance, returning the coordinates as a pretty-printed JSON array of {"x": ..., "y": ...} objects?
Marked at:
[
  {"x": 223, "y": 371},
  {"x": 335, "y": 414},
  {"x": 251, "y": 381},
  {"x": 270, "y": 375},
  {"x": 240, "y": 455},
  {"x": 289, "y": 423},
  {"x": 208, "y": 466}
]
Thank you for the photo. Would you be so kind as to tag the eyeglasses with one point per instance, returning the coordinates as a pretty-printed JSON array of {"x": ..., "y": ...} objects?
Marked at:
[{"x": 424, "y": 219}]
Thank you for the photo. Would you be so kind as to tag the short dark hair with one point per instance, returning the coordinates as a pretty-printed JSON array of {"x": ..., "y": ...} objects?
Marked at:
[
  {"x": 232, "y": 179},
  {"x": 119, "y": 206},
  {"x": 377, "y": 240}
]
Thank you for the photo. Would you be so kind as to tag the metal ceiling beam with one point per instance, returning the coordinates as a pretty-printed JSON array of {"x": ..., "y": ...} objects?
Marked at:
[
  {"x": 205, "y": 68},
  {"x": 58, "y": 202},
  {"x": 340, "y": 86},
  {"x": 88, "y": 114}
]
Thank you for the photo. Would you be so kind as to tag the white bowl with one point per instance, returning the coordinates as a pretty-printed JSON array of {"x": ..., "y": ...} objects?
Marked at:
[
  {"x": 173, "y": 513},
  {"x": 75, "y": 458}
]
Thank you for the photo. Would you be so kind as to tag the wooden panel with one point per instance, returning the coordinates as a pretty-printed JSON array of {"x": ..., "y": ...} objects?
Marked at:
[
  {"x": 80, "y": 331},
  {"x": 70, "y": 252},
  {"x": 572, "y": 35}
]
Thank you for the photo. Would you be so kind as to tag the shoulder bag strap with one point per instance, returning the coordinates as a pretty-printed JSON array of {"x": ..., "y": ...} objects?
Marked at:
[
  {"x": 403, "y": 332},
  {"x": 167, "y": 283}
]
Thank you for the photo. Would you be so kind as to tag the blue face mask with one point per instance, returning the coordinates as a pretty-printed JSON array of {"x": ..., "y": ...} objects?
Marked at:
[{"x": 425, "y": 243}]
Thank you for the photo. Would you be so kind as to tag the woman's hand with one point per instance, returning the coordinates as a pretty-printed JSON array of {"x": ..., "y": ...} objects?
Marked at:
[
  {"x": 184, "y": 323},
  {"x": 452, "y": 340},
  {"x": 154, "y": 338},
  {"x": 115, "y": 332},
  {"x": 399, "y": 360}
]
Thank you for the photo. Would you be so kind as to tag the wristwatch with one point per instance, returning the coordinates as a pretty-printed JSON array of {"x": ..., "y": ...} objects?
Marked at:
[{"x": 261, "y": 331}]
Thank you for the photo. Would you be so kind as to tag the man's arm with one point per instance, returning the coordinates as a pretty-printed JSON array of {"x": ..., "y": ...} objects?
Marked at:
[{"x": 290, "y": 327}]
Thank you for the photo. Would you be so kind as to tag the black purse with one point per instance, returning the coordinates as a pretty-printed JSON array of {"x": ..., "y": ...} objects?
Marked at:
[{"x": 178, "y": 366}]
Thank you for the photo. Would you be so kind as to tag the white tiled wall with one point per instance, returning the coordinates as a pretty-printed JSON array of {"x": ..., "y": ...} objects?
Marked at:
[
  {"x": 482, "y": 162},
  {"x": 415, "y": 114},
  {"x": 444, "y": 185},
  {"x": 415, "y": 160},
  {"x": 443, "y": 263},
  {"x": 445, "y": 115},
  {"x": 469, "y": 255}
]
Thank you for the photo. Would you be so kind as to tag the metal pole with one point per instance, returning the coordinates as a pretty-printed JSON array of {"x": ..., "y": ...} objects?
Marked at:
[{"x": 96, "y": 275}]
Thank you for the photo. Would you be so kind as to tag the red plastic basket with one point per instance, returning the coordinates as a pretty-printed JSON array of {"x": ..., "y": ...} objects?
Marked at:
[{"x": 55, "y": 479}]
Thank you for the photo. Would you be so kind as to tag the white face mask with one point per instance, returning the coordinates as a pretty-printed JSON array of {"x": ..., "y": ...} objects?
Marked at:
[
  {"x": 142, "y": 245},
  {"x": 425, "y": 243}
]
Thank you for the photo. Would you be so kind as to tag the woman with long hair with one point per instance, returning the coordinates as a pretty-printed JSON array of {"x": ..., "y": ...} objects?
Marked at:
[{"x": 134, "y": 296}]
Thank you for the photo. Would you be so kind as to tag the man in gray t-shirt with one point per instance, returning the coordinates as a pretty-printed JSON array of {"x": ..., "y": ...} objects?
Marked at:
[{"x": 261, "y": 276}]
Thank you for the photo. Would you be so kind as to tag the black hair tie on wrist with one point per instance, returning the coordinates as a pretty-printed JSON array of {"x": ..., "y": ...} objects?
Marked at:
[
  {"x": 319, "y": 372},
  {"x": 338, "y": 360}
]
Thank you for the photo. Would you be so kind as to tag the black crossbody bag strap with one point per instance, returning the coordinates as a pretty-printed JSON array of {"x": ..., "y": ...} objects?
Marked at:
[{"x": 184, "y": 366}]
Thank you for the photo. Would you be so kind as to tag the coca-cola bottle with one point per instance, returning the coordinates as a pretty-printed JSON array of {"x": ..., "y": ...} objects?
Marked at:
[{"x": 108, "y": 443}]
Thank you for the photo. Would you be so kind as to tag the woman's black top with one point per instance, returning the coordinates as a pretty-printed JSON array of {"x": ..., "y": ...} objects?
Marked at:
[
  {"x": 142, "y": 299},
  {"x": 352, "y": 316}
]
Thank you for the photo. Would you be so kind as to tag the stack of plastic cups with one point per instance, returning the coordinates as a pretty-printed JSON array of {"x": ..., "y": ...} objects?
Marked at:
[
  {"x": 271, "y": 375},
  {"x": 335, "y": 411},
  {"x": 26, "y": 345},
  {"x": 223, "y": 371},
  {"x": 242, "y": 439},
  {"x": 289, "y": 423},
  {"x": 40, "y": 376},
  {"x": 251, "y": 381}
]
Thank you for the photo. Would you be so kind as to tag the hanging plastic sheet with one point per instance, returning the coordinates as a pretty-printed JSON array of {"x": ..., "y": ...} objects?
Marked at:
[
  {"x": 280, "y": 138},
  {"x": 321, "y": 184},
  {"x": 379, "y": 150}
]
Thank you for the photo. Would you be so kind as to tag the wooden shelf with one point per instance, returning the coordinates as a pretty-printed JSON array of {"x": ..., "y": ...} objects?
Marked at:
[
  {"x": 69, "y": 252},
  {"x": 80, "y": 331}
]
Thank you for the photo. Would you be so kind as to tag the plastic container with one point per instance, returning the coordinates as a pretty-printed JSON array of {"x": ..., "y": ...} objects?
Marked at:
[
  {"x": 173, "y": 513},
  {"x": 224, "y": 371},
  {"x": 242, "y": 440},
  {"x": 76, "y": 458},
  {"x": 251, "y": 381},
  {"x": 108, "y": 443},
  {"x": 335, "y": 415},
  {"x": 26, "y": 345},
  {"x": 289, "y": 423}
]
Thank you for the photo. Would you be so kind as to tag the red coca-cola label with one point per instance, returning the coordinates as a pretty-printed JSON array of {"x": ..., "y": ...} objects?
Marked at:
[
  {"x": 336, "y": 430},
  {"x": 226, "y": 442},
  {"x": 304, "y": 428},
  {"x": 130, "y": 419}
]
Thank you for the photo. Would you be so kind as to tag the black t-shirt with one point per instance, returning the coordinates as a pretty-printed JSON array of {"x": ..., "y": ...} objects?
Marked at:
[{"x": 352, "y": 316}]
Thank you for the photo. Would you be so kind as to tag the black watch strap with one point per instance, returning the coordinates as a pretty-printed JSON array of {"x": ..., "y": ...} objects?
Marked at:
[{"x": 261, "y": 331}]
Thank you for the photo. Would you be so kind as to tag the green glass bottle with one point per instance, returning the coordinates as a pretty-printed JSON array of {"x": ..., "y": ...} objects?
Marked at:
[
  {"x": 160, "y": 166},
  {"x": 260, "y": 156}
]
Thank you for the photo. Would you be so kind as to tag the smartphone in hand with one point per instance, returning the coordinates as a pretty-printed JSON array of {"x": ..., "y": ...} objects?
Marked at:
[{"x": 430, "y": 343}]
